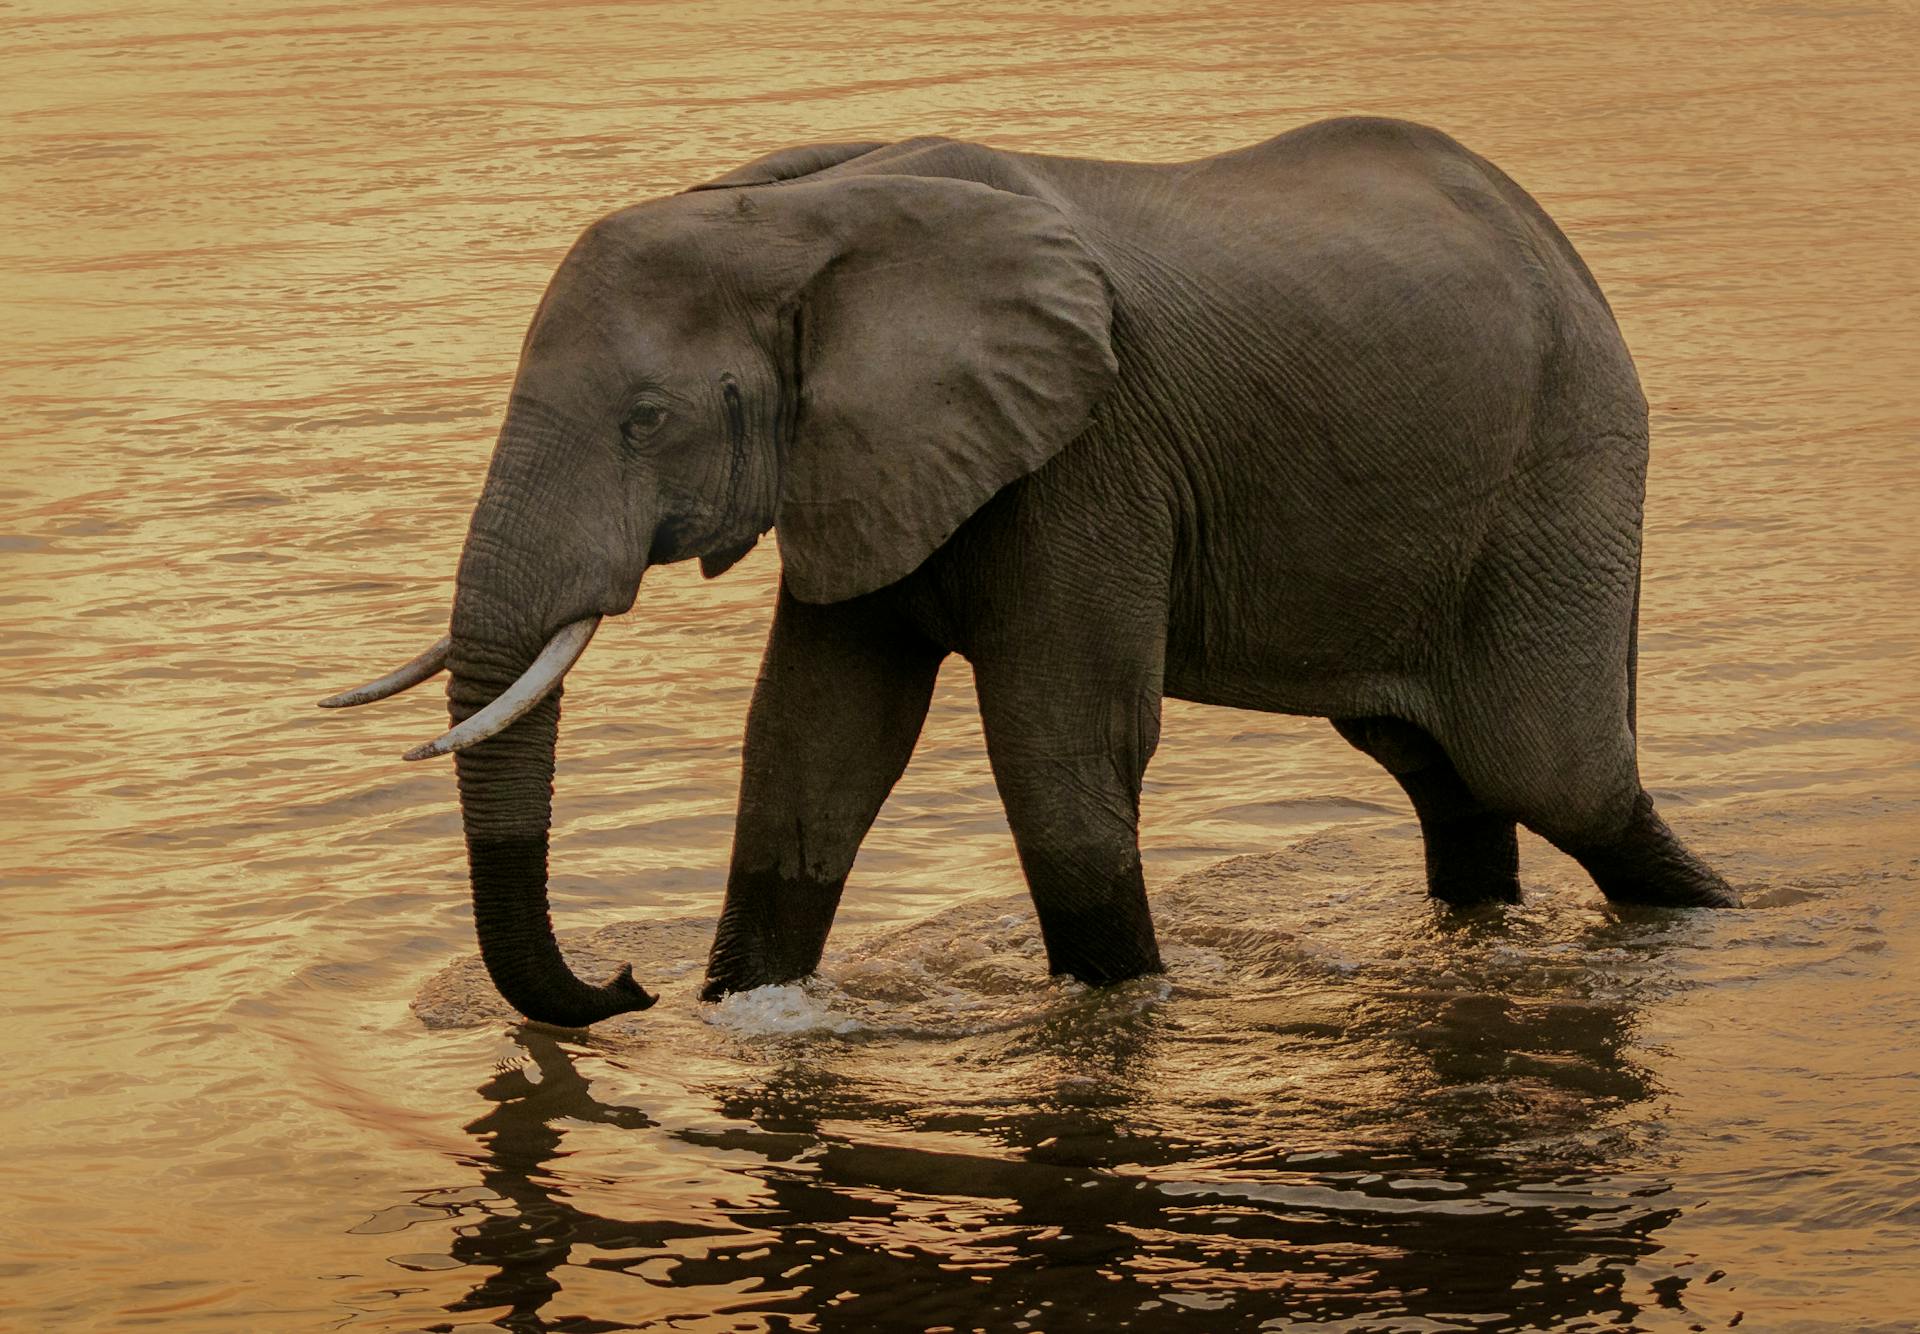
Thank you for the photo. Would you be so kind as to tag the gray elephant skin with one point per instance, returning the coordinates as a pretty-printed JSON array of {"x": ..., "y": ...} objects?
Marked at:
[{"x": 1335, "y": 425}]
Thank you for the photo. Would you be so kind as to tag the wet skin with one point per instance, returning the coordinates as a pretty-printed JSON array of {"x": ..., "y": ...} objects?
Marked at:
[{"x": 1336, "y": 425}]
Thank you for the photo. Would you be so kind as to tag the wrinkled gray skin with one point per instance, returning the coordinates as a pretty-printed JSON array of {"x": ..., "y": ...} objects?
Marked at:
[{"x": 1334, "y": 425}]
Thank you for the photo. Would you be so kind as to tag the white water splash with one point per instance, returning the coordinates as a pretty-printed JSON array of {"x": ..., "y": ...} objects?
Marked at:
[{"x": 772, "y": 1011}]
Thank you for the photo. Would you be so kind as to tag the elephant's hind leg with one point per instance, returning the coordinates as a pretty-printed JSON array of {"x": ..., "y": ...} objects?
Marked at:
[
  {"x": 1644, "y": 862},
  {"x": 1565, "y": 767},
  {"x": 1473, "y": 853},
  {"x": 1575, "y": 783}
]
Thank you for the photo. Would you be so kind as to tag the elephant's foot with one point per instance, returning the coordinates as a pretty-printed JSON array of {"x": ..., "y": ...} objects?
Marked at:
[
  {"x": 719, "y": 988},
  {"x": 1097, "y": 929},
  {"x": 1099, "y": 966},
  {"x": 772, "y": 931},
  {"x": 1471, "y": 859},
  {"x": 1473, "y": 854},
  {"x": 1646, "y": 864},
  {"x": 744, "y": 968}
]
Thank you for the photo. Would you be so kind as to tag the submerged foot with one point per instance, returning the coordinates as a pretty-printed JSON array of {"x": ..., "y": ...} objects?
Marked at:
[{"x": 1648, "y": 865}]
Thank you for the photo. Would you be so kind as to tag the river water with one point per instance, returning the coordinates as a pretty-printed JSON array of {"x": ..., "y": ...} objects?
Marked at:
[{"x": 265, "y": 272}]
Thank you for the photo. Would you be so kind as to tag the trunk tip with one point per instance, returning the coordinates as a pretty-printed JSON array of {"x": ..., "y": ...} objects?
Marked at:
[
  {"x": 622, "y": 983},
  {"x": 585, "y": 1006}
]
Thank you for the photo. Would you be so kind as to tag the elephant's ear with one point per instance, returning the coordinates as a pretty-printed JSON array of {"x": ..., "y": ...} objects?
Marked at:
[
  {"x": 788, "y": 163},
  {"x": 955, "y": 339}
]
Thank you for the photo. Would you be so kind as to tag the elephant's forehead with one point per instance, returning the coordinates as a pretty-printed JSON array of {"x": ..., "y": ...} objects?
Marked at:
[
  {"x": 664, "y": 238},
  {"x": 625, "y": 345},
  {"x": 658, "y": 274},
  {"x": 618, "y": 344}
]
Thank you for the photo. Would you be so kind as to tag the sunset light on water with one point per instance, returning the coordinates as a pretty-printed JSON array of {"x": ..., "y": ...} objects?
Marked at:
[{"x": 267, "y": 274}]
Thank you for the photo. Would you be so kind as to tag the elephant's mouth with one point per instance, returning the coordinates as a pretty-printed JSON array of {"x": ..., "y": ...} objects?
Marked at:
[
  {"x": 508, "y": 858},
  {"x": 513, "y": 703}
]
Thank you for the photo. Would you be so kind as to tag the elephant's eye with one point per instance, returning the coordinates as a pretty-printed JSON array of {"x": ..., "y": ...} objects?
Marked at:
[{"x": 643, "y": 421}]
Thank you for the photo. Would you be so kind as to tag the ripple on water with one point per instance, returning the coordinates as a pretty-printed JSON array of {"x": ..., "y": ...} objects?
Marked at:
[
  {"x": 1300, "y": 980},
  {"x": 1329, "y": 1082},
  {"x": 243, "y": 454}
]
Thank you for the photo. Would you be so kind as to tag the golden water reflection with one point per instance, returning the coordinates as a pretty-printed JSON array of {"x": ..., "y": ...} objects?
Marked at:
[
  {"x": 266, "y": 271},
  {"x": 1098, "y": 1160}
]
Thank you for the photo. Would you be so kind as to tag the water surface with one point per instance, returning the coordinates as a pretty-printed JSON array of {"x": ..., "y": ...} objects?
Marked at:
[{"x": 266, "y": 271}]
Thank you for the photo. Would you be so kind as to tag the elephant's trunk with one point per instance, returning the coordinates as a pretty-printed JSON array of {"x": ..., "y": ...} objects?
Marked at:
[
  {"x": 525, "y": 603},
  {"x": 515, "y": 594},
  {"x": 506, "y": 804}
]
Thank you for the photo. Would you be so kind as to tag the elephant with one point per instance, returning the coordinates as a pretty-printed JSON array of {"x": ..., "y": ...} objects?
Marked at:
[{"x": 1336, "y": 425}]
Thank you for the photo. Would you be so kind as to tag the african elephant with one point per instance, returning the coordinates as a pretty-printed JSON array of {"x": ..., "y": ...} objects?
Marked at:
[{"x": 1335, "y": 425}]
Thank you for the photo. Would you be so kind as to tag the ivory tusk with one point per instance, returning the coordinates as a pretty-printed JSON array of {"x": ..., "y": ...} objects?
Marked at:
[
  {"x": 404, "y": 677},
  {"x": 534, "y": 685}
]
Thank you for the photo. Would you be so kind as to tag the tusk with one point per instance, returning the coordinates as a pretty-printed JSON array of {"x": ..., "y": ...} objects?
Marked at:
[
  {"x": 534, "y": 685},
  {"x": 405, "y": 677}
]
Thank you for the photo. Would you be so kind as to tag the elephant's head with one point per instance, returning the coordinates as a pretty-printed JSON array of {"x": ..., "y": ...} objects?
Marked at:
[{"x": 859, "y": 362}]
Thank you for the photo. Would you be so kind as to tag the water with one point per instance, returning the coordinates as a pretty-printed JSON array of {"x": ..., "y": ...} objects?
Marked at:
[{"x": 266, "y": 273}]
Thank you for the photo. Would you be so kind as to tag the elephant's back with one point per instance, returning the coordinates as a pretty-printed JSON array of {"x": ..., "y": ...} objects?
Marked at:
[
  {"x": 1367, "y": 341},
  {"x": 1406, "y": 198},
  {"x": 1384, "y": 296}
]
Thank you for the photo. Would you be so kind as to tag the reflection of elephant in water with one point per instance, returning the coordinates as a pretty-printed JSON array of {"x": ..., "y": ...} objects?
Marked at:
[
  {"x": 1335, "y": 425},
  {"x": 1091, "y": 1192}
]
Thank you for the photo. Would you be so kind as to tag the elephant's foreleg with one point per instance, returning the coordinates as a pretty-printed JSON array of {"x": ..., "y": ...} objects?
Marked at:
[
  {"x": 1473, "y": 853},
  {"x": 1069, "y": 743},
  {"x": 843, "y": 692}
]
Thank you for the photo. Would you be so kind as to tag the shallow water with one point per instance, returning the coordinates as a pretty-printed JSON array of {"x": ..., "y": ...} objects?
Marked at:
[{"x": 266, "y": 273}]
